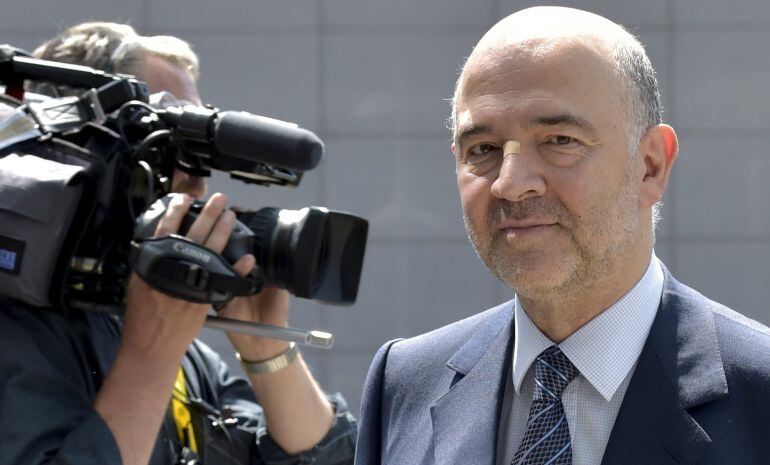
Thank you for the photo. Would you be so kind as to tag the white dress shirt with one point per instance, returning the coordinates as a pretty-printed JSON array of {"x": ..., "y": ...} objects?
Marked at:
[{"x": 605, "y": 350}]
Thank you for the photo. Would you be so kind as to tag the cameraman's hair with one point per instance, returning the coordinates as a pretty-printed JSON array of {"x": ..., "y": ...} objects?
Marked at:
[
  {"x": 88, "y": 44},
  {"x": 129, "y": 55},
  {"x": 113, "y": 48}
]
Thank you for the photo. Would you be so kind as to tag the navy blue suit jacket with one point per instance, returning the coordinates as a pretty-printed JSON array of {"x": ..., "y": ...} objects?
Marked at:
[{"x": 700, "y": 392}]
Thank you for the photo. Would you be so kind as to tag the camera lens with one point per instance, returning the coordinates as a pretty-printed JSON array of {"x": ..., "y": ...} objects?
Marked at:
[
  {"x": 289, "y": 248},
  {"x": 313, "y": 252}
]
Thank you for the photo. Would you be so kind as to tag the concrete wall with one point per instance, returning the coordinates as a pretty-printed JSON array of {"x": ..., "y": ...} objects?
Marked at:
[{"x": 373, "y": 78}]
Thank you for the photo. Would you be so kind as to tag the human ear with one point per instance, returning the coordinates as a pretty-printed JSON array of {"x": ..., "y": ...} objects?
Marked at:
[
  {"x": 456, "y": 160},
  {"x": 658, "y": 149}
]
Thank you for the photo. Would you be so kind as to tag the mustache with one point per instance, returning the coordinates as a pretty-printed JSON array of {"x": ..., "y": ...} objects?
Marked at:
[{"x": 535, "y": 207}]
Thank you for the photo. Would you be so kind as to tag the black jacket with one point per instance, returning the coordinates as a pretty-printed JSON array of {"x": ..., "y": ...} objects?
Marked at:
[{"x": 52, "y": 366}]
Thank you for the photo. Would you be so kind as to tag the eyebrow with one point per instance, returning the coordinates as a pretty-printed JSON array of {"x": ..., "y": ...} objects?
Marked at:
[
  {"x": 564, "y": 119},
  {"x": 470, "y": 131}
]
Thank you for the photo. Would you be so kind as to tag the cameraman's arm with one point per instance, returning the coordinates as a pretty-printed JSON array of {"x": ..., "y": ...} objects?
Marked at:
[
  {"x": 156, "y": 333},
  {"x": 297, "y": 411},
  {"x": 136, "y": 393}
]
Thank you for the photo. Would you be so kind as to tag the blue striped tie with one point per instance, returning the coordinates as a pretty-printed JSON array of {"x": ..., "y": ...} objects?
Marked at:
[{"x": 546, "y": 440}]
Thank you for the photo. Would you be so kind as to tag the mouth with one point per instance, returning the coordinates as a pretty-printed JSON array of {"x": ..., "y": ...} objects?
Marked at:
[{"x": 525, "y": 228}]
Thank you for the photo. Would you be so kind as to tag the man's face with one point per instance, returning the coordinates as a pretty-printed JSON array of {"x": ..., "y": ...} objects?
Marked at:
[
  {"x": 162, "y": 75},
  {"x": 564, "y": 211}
]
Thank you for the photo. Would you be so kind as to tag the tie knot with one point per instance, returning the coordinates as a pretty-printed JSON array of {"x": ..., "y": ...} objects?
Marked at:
[{"x": 553, "y": 372}]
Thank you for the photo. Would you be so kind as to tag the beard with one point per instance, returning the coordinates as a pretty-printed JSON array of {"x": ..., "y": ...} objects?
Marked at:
[{"x": 589, "y": 245}]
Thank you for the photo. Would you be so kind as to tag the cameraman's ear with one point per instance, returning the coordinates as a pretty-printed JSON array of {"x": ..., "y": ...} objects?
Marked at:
[{"x": 658, "y": 150}]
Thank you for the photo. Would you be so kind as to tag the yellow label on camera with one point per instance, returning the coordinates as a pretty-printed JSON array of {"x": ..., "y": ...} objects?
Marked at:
[{"x": 181, "y": 413}]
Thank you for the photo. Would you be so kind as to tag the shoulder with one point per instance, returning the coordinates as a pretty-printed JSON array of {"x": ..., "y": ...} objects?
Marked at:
[
  {"x": 745, "y": 346},
  {"x": 408, "y": 376},
  {"x": 435, "y": 348},
  {"x": 728, "y": 322},
  {"x": 744, "y": 343},
  {"x": 416, "y": 369},
  {"x": 24, "y": 326}
]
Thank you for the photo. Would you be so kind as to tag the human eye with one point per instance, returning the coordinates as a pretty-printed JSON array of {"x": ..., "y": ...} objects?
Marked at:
[
  {"x": 482, "y": 157},
  {"x": 561, "y": 140},
  {"x": 562, "y": 150},
  {"x": 481, "y": 151}
]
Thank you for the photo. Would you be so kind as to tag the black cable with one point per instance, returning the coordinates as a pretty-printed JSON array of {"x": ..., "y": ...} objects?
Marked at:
[
  {"x": 150, "y": 140},
  {"x": 150, "y": 181},
  {"x": 121, "y": 119}
]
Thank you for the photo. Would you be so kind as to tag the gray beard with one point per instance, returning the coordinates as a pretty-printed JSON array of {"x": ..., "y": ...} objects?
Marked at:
[
  {"x": 495, "y": 262},
  {"x": 594, "y": 262}
]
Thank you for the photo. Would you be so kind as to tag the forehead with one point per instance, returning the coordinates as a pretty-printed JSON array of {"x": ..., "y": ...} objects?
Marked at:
[
  {"x": 163, "y": 75},
  {"x": 546, "y": 75}
]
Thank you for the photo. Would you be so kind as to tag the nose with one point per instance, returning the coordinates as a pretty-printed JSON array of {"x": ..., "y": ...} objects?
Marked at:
[{"x": 519, "y": 178}]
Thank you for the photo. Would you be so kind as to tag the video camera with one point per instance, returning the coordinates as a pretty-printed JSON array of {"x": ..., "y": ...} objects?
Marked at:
[{"x": 84, "y": 180}]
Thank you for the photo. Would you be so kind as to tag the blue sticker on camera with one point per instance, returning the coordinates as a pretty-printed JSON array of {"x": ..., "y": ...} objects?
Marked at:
[
  {"x": 7, "y": 259},
  {"x": 11, "y": 253}
]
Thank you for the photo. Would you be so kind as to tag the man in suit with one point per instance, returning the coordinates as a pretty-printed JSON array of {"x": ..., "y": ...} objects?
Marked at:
[{"x": 602, "y": 356}]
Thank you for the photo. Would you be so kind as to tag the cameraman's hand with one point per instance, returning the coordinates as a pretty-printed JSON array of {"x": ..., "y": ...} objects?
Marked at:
[
  {"x": 154, "y": 318},
  {"x": 156, "y": 332},
  {"x": 297, "y": 411},
  {"x": 270, "y": 306}
]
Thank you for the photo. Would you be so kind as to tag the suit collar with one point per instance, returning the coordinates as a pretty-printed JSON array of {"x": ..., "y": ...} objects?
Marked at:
[
  {"x": 466, "y": 419},
  {"x": 686, "y": 341},
  {"x": 606, "y": 349},
  {"x": 482, "y": 339},
  {"x": 680, "y": 368}
]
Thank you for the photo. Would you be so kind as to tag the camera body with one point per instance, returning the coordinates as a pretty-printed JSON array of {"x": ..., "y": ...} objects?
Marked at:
[
  {"x": 77, "y": 172},
  {"x": 314, "y": 253}
]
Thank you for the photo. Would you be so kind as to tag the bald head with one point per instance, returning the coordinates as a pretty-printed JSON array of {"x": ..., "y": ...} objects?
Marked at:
[
  {"x": 551, "y": 23},
  {"x": 542, "y": 35}
]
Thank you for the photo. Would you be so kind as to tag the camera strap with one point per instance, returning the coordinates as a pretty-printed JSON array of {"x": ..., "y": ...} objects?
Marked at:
[{"x": 184, "y": 269}]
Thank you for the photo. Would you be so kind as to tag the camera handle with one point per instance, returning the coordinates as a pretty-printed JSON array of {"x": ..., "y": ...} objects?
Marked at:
[{"x": 181, "y": 268}]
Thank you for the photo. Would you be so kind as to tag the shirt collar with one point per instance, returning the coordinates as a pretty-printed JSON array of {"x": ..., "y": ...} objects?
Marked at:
[{"x": 606, "y": 348}]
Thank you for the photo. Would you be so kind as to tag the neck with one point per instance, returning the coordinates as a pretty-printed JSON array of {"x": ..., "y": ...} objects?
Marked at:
[{"x": 561, "y": 313}]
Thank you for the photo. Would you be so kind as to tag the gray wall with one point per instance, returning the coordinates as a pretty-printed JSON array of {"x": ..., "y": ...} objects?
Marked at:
[{"x": 372, "y": 78}]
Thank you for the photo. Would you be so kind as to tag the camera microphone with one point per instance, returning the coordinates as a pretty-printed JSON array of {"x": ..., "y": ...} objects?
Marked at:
[
  {"x": 247, "y": 137},
  {"x": 271, "y": 141}
]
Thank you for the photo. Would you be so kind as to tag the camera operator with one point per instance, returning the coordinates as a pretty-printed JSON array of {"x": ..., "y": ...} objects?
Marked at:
[{"x": 88, "y": 389}]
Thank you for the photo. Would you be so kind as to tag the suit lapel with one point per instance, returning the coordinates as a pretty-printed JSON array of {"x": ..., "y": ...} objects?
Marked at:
[
  {"x": 679, "y": 368},
  {"x": 465, "y": 420}
]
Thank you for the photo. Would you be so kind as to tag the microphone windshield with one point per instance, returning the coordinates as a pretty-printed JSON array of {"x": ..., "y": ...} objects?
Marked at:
[{"x": 260, "y": 139}]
